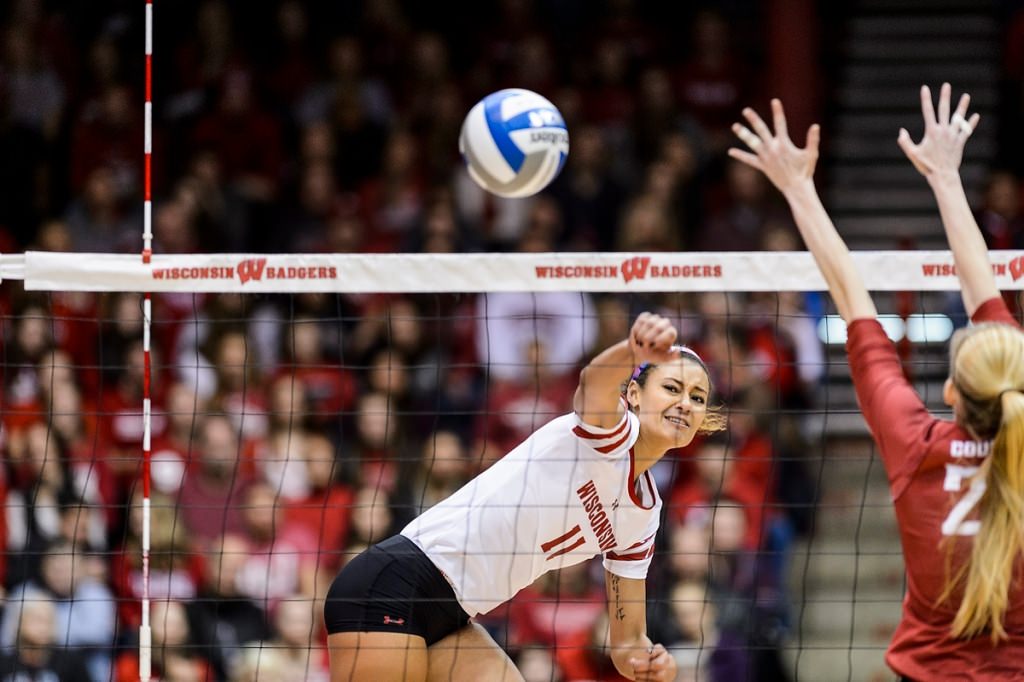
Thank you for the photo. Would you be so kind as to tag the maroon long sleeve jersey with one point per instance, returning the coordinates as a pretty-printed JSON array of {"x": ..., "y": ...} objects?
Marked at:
[{"x": 930, "y": 465}]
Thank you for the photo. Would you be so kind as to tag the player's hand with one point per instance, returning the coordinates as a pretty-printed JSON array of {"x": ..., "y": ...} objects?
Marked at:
[
  {"x": 942, "y": 147},
  {"x": 651, "y": 338},
  {"x": 658, "y": 666},
  {"x": 775, "y": 155}
]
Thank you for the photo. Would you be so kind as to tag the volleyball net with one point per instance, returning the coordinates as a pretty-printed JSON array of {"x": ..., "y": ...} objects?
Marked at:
[{"x": 303, "y": 407}]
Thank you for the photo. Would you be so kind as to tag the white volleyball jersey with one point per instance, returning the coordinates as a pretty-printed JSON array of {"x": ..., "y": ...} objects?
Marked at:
[{"x": 561, "y": 497}]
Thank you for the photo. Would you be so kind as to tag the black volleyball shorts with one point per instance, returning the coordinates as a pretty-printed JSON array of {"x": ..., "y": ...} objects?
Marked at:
[{"x": 393, "y": 587}]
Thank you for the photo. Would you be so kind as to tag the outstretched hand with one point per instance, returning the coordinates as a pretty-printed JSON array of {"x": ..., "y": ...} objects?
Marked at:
[
  {"x": 942, "y": 147},
  {"x": 785, "y": 164}
]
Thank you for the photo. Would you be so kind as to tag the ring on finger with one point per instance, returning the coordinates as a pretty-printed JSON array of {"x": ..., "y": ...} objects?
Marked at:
[{"x": 961, "y": 123}]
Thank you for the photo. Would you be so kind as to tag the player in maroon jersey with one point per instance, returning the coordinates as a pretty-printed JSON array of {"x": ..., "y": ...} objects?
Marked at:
[{"x": 958, "y": 486}]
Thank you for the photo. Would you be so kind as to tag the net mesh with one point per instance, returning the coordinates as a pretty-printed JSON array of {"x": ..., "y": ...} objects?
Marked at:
[{"x": 292, "y": 430}]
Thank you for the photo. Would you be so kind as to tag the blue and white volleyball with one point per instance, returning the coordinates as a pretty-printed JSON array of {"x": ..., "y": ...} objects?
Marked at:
[{"x": 514, "y": 142}]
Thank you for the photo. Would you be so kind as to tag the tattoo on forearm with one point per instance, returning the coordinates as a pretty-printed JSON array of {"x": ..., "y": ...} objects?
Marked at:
[{"x": 620, "y": 613}]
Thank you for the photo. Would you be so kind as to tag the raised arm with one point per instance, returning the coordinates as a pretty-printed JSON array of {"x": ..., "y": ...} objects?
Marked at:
[
  {"x": 597, "y": 400},
  {"x": 791, "y": 170},
  {"x": 937, "y": 157},
  {"x": 632, "y": 652}
]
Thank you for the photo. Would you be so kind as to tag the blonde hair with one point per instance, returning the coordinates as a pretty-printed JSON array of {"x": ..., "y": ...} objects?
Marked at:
[{"x": 987, "y": 369}]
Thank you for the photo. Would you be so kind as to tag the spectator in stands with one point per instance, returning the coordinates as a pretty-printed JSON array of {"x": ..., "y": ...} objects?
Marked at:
[
  {"x": 198, "y": 349},
  {"x": 742, "y": 470},
  {"x": 564, "y": 324},
  {"x": 701, "y": 650},
  {"x": 739, "y": 223},
  {"x": 296, "y": 639},
  {"x": 105, "y": 166},
  {"x": 647, "y": 225},
  {"x": 329, "y": 387},
  {"x": 316, "y": 203},
  {"x": 657, "y": 114},
  {"x": 177, "y": 654},
  {"x": 360, "y": 140},
  {"x": 218, "y": 209},
  {"x": 345, "y": 64},
  {"x": 746, "y": 594},
  {"x": 380, "y": 453},
  {"x": 228, "y": 130},
  {"x": 444, "y": 468},
  {"x": 521, "y": 403},
  {"x": 559, "y": 610},
  {"x": 326, "y": 511},
  {"x": 175, "y": 566},
  {"x": 36, "y": 654},
  {"x": 609, "y": 98},
  {"x": 689, "y": 547},
  {"x": 713, "y": 80},
  {"x": 75, "y": 324},
  {"x": 210, "y": 500},
  {"x": 41, "y": 484},
  {"x": 590, "y": 198},
  {"x": 1000, "y": 218},
  {"x": 283, "y": 556},
  {"x": 33, "y": 99},
  {"x": 372, "y": 518},
  {"x": 291, "y": 54},
  {"x": 279, "y": 459},
  {"x": 174, "y": 228},
  {"x": 239, "y": 393},
  {"x": 587, "y": 657},
  {"x": 31, "y": 339},
  {"x": 121, "y": 421},
  {"x": 388, "y": 375},
  {"x": 172, "y": 450},
  {"x": 83, "y": 609},
  {"x": 421, "y": 375},
  {"x": 225, "y": 620},
  {"x": 392, "y": 203},
  {"x": 105, "y": 67}
]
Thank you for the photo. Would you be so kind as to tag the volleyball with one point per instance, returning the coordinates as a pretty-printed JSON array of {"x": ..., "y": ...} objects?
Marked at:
[{"x": 514, "y": 142}]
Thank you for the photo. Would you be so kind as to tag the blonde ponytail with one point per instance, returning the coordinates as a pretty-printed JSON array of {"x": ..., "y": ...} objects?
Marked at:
[{"x": 989, "y": 373}]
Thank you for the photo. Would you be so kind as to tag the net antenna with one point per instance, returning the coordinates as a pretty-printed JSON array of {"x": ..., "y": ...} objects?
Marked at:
[{"x": 145, "y": 631}]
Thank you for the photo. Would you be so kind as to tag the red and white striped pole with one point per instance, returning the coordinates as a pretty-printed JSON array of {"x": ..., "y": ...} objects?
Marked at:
[{"x": 145, "y": 632}]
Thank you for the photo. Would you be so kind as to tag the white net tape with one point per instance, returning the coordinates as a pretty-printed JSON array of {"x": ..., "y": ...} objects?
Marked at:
[{"x": 488, "y": 272}]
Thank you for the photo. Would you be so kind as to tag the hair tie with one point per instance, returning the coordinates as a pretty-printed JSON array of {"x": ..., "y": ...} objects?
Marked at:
[{"x": 639, "y": 370}]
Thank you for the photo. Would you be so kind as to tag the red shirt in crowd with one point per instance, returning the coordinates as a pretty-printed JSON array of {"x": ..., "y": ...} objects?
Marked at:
[
  {"x": 179, "y": 582},
  {"x": 929, "y": 463},
  {"x": 327, "y": 515},
  {"x": 749, "y": 482},
  {"x": 554, "y": 620},
  {"x": 126, "y": 669},
  {"x": 273, "y": 570}
]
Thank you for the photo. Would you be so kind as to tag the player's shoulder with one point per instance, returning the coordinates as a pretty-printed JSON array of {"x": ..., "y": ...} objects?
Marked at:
[{"x": 949, "y": 444}]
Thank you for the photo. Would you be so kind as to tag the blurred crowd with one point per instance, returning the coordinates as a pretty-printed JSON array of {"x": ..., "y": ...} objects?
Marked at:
[{"x": 289, "y": 433}]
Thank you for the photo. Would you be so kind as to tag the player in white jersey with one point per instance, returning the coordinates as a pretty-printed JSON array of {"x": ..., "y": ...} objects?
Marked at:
[{"x": 577, "y": 487}]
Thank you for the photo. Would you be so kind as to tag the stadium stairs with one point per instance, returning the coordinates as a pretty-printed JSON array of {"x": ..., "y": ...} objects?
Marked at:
[{"x": 847, "y": 581}]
